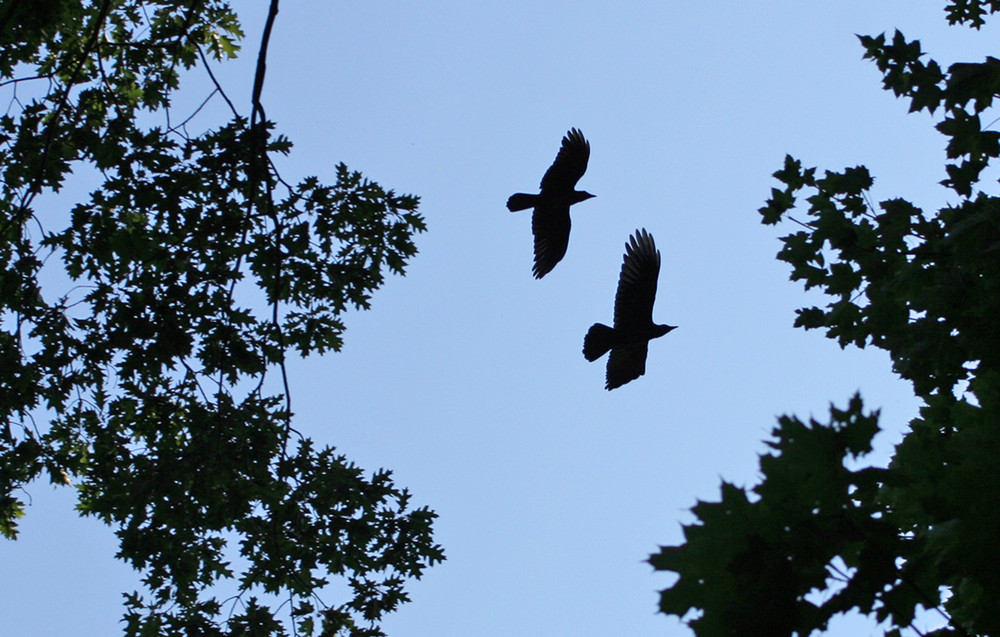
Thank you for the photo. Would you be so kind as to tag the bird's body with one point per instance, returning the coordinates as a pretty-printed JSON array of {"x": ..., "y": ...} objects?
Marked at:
[
  {"x": 550, "y": 222},
  {"x": 628, "y": 340}
]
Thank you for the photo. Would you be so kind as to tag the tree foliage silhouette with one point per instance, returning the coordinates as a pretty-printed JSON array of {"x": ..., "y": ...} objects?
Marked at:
[
  {"x": 145, "y": 330},
  {"x": 925, "y": 287}
]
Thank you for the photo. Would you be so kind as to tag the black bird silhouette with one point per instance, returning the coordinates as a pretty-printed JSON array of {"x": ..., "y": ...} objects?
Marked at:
[
  {"x": 634, "y": 327},
  {"x": 550, "y": 220}
]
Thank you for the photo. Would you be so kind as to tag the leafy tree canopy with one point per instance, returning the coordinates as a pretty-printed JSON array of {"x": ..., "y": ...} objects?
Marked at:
[
  {"x": 819, "y": 536},
  {"x": 144, "y": 330}
]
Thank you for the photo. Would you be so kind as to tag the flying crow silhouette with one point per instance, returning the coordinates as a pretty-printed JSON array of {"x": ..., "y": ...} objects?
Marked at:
[
  {"x": 634, "y": 326},
  {"x": 550, "y": 220}
]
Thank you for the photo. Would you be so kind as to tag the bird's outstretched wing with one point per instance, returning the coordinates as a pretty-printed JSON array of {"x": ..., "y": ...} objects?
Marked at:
[
  {"x": 637, "y": 283},
  {"x": 570, "y": 164},
  {"x": 626, "y": 364},
  {"x": 550, "y": 225}
]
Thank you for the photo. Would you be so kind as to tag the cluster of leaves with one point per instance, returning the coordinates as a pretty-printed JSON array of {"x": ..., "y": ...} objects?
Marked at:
[
  {"x": 817, "y": 538},
  {"x": 186, "y": 277},
  {"x": 750, "y": 562}
]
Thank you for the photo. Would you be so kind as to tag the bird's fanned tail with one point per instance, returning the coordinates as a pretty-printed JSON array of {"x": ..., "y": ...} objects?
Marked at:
[
  {"x": 597, "y": 341},
  {"x": 521, "y": 201}
]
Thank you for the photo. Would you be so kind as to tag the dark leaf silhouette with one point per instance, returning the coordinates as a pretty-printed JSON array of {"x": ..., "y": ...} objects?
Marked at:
[
  {"x": 633, "y": 326},
  {"x": 140, "y": 317},
  {"x": 829, "y": 529},
  {"x": 550, "y": 220}
]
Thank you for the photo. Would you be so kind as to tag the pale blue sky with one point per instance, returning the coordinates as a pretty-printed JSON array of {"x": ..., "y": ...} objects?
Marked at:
[{"x": 466, "y": 378}]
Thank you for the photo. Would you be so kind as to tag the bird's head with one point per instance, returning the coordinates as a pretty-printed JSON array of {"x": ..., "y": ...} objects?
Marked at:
[
  {"x": 581, "y": 195},
  {"x": 660, "y": 330}
]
